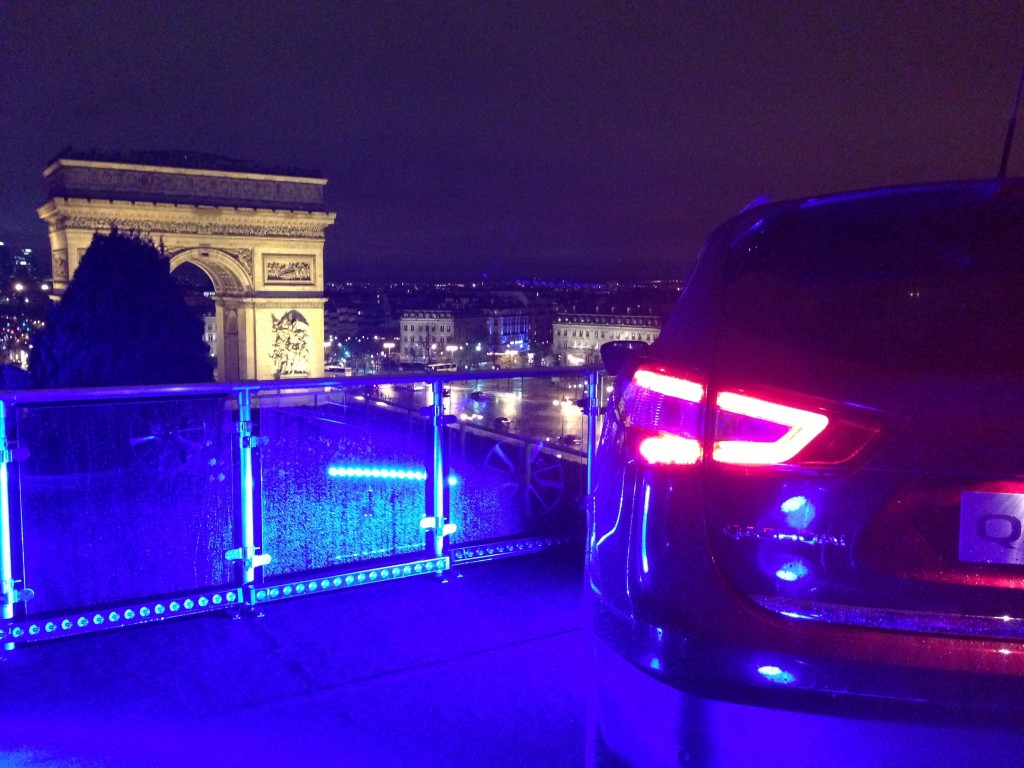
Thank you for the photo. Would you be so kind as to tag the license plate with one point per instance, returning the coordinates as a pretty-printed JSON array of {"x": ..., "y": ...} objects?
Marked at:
[{"x": 992, "y": 528}]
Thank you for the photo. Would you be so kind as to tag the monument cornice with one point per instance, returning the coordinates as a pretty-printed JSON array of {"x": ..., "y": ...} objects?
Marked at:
[
  {"x": 170, "y": 218},
  {"x": 105, "y": 180},
  {"x": 134, "y": 167}
]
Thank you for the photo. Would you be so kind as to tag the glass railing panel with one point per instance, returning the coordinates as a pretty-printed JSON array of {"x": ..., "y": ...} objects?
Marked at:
[
  {"x": 343, "y": 476},
  {"x": 518, "y": 451},
  {"x": 536, "y": 407},
  {"x": 122, "y": 500}
]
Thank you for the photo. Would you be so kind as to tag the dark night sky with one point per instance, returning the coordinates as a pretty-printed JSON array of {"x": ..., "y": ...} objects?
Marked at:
[{"x": 562, "y": 140}]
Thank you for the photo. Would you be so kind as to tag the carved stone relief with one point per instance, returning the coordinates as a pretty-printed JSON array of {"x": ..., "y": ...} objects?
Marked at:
[
  {"x": 244, "y": 256},
  {"x": 239, "y": 229},
  {"x": 60, "y": 264},
  {"x": 288, "y": 269},
  {"x": 290, "y": 354}
]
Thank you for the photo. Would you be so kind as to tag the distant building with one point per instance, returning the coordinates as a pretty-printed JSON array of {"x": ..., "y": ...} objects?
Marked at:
[
  {"x": 16, "y": 263},
  {"x": 341, "y": 322},
  {"x": 24, "y": 263},
  {"x": 359, "y": 311},
  {"x": 435, "y": 335},
  {"x": 542, "y": 316},
  {"x": 210, "y": 332},
  {"x": 577, "y": 338},
  {"x": 508, "y": 330}
]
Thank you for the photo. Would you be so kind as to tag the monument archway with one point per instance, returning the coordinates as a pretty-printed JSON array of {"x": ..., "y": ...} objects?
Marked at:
[{"x": 258, "y": 235}]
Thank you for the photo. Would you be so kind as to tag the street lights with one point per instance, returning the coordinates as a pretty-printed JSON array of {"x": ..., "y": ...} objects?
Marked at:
[{"x": 561, "y": 404}]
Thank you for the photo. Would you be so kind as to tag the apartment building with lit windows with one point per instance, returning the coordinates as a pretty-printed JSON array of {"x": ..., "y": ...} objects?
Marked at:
[
  {"x": 436, "y": 335},
  {"x": 576, "y": 339}
]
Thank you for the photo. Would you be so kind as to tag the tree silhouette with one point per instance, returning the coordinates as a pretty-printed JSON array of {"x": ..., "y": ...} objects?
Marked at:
[{"x": 122, "y": 321}]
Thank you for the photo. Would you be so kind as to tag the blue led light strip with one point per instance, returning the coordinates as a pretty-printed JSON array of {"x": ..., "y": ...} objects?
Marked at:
[
  {"x": 384, "y": 473},
  {"x": 265, "y": 594},
  {"x": 131, "y": 614},
  {"x": 381, "y": 472},
  {"x": 482, "y": 552}
]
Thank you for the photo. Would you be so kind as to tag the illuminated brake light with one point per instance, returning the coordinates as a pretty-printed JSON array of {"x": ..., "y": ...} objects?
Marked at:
[
  {"x": 770, "y": 419},
  {"x": 664, "y": 416},
  {"x": 663, "y": 413},
  {"x": 669, "y": 449},
  {"x": 670, "y": 386}
]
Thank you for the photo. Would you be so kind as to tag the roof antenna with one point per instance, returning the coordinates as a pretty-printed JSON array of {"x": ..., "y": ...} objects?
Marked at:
[{"x": 1012, "y": 128}]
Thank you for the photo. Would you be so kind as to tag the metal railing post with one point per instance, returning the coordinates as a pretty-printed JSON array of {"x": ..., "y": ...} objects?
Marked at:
[
  {"x": 593, "y": 409},
  {"x": 246, "y": 554},
  {"x": 6, "y": 564},
  {"x": 245, "y": 475},
  {"x": 438, "y": 468}
]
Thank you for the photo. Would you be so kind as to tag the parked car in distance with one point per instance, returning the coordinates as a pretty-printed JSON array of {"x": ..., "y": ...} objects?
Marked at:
[
  {"x": 501, "y": 424},
  {"x": 478, "y": 395},
  {"x": 809, "y": 491},
  {"x": 569, "y": 440}
]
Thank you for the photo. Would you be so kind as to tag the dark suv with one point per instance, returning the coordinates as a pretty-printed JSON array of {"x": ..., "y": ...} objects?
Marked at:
[{"x": 810, "y": 489}]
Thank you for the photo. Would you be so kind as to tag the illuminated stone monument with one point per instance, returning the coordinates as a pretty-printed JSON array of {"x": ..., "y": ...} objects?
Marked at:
[{"x": 257, "y": 234}]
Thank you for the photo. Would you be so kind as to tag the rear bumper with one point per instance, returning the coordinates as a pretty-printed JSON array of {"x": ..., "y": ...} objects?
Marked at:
[
  {"x": 708, "y": 667},
  {"x": 642, "y": 721}
]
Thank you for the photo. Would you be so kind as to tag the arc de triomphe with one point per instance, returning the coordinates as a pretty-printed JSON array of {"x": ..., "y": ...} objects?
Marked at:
[{"x": 259, "y": 236}]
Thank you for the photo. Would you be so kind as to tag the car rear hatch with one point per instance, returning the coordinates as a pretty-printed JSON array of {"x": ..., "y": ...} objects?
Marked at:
[
  {"x": 862, "y": 409},
  {"x": 899, "y": 318}
]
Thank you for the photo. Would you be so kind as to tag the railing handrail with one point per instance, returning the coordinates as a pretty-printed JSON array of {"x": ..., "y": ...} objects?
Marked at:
[{"x": 85, "y": 394}]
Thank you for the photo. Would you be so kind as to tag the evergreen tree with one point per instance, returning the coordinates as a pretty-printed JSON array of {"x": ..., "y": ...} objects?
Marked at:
[{"x": 122, "y": 321}]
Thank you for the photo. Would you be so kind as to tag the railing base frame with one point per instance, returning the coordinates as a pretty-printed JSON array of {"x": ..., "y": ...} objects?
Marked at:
[
  {"x": 480, "y": 553},
  {"x": 134, "y": 614},
  {"x": 333, "y": 582}
]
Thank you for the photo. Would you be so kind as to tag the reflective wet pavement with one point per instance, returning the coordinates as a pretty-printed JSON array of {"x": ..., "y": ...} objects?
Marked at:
[
  {"x": 492, "y": 668},
  {"x": 489, "y": 668}
]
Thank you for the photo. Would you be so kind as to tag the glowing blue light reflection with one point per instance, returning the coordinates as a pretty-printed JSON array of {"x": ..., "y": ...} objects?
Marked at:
[
  {"x": 799, "y": 512},
  {"x": 776, "y": 674},
  {"x": 793, "y": 503},
  {"x": 643, "y": 533},
  {"x": 794, "y": 570},
  {"x": 795, "y": 615}
]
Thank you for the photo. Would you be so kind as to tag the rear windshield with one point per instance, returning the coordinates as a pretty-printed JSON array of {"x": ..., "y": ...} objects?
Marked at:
[{"x": 907, "y": 281}]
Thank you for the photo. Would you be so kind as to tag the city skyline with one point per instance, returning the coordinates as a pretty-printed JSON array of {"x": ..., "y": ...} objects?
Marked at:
[{"x": 567, "y": 141}]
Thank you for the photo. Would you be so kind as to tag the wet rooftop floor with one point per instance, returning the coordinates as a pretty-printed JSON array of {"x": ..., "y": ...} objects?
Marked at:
[{"x": 487, "y": 667}]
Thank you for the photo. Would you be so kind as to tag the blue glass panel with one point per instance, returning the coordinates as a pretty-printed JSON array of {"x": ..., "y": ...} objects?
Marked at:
[
  {"x": 342, "y": 477},
  {"x": 520, "y": 458},
  {"x": 123, "y": 500}
]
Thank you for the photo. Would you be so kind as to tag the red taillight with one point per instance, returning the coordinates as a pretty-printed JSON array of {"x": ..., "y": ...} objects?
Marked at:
[
  {"x": 670, "y": 386},
  {"x": 664, "y": 413},
  {"x": 665, "y": 417},
  {"x": 669, "y": 449},
  {"x": 761, "y": 433}
]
